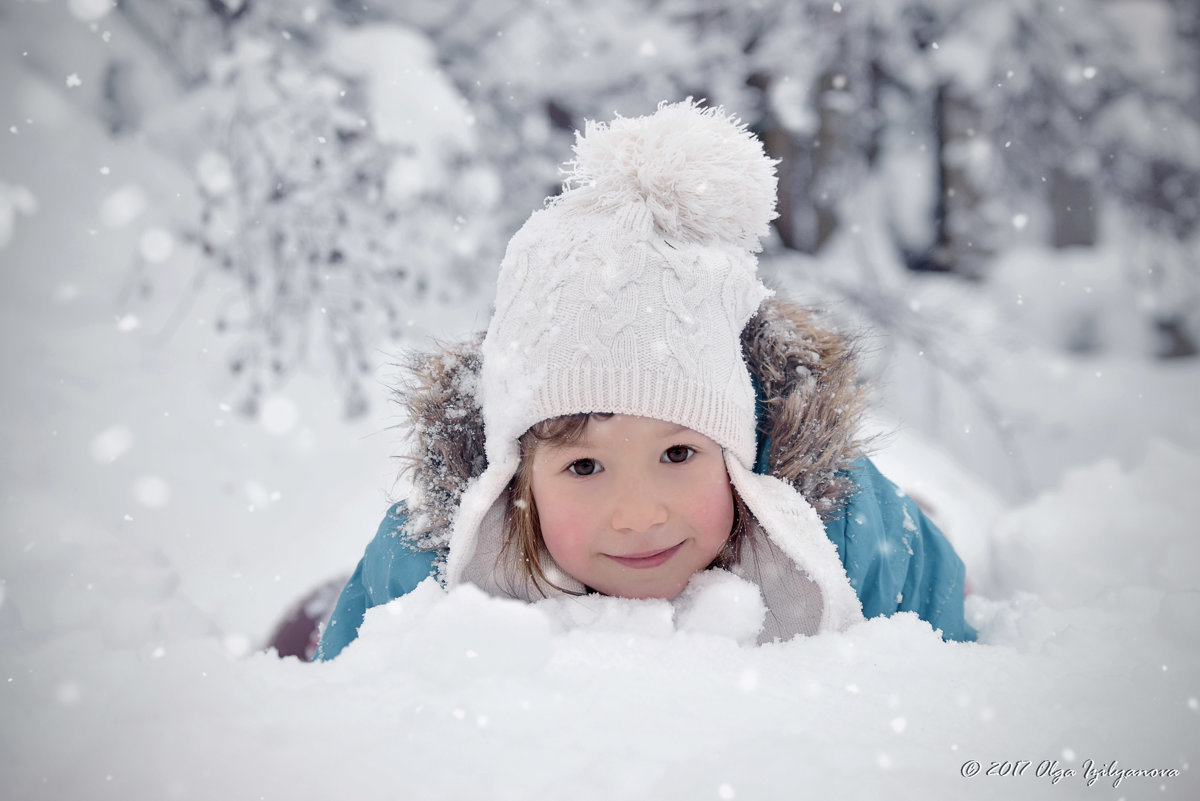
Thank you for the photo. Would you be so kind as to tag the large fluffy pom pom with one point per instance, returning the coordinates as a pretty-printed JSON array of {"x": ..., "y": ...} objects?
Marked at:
[{"x": 699, "y": 172}]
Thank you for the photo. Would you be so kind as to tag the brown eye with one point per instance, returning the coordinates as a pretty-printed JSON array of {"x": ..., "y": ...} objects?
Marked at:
[
  {"x": 677, "y": 454},
  {"x": 584, "y": 467}
]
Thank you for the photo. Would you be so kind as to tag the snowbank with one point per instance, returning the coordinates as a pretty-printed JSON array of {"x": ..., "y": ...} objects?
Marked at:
[{"x": 463, "y": 696}]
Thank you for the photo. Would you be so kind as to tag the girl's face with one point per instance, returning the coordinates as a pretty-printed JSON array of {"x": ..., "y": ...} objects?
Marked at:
[{"x": 635, "y": 507}]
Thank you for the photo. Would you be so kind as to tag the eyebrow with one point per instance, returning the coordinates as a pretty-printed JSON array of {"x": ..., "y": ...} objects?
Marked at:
[{"x": 582, "y": 443}]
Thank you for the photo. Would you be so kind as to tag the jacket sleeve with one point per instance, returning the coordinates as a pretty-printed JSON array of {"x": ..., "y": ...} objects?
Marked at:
[
  {"x": 388, "y": 569},
  {"x": 897, "y": 560}
]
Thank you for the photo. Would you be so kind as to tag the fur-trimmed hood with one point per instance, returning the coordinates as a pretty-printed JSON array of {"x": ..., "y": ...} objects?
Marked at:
[{"x": 808, "y": 422}]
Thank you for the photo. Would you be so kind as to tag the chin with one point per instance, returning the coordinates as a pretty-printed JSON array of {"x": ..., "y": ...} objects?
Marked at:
[{"x": 662, "y": 591}]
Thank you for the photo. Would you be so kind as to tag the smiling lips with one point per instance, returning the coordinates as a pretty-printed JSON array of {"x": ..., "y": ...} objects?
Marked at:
[{"x": 649, "y": 559}]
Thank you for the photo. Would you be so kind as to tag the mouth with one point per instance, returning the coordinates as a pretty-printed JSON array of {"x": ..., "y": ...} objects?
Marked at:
[{"x": 646, "y": 559}]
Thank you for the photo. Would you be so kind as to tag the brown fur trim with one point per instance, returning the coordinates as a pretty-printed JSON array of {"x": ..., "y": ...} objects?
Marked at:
[
  {"x": 805, "y": 372},
  {"x": 446, "y": 427},
  {"x": 808, "y": 376}
]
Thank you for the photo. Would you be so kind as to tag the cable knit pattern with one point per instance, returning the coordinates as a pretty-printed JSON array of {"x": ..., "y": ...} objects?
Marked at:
[{"x": 624, "y": 325}]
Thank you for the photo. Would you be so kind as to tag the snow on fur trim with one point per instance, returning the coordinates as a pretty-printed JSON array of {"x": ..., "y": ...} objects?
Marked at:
[{"x": 699, "y": 172}]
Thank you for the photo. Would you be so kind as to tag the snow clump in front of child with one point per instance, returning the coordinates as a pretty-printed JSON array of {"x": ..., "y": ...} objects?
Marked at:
[{"x": 641, "y": 418}]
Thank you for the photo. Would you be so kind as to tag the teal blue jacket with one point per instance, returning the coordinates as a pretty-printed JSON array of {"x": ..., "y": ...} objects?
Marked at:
[{"x": 895, "y": 557}]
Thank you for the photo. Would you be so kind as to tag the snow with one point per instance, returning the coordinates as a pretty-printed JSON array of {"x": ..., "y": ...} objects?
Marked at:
[
  {"x": 214, "y": 172},
  {"x": 152, "y": 491},
  {"x": 111, "y": 444},
  {"x": 1149, "y": 25},
  {"x": 417, "y": 106},
  {"x": 13, "y": 199},
  {"x": 719, "y": 603},
  {"x": 445, "y": 694},
  {"x": 123, "y": 206},
  {"x": 155, "y": 245},
  {"x": 278, "y": 414},
  {"x": 149, "y": 539},
  {"x": 1030, "y": 544},
  {"x": 89, "y": 10}
]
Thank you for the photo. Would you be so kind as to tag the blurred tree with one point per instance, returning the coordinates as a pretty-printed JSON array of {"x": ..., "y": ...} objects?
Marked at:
[
  {"x": 1033, "y": 104},
  {"x": 533, "y": 72},
  {"x": 808, "y": 62},
  {"x": 327, "y": 215},
  {"x": 329, "y": 218},
  {"x": 1097, "y": 100}
]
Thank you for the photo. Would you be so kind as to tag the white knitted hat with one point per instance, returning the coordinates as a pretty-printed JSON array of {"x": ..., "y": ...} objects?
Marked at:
[{"x": 628, "y": 294}]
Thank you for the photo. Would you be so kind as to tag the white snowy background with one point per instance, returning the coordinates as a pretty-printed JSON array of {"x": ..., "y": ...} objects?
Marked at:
[{"x": 195, "y": 425}]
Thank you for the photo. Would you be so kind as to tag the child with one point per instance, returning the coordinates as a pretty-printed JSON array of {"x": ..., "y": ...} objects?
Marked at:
[{"x": 640, "y": 411}]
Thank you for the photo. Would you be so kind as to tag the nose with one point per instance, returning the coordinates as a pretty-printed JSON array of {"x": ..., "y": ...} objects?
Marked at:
[{"x": 639, "y": 506}]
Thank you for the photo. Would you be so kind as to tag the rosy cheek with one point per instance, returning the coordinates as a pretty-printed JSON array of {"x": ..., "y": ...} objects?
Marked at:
[
  {"x": 556, "y": 527},
  {"x": 564, "y": 525},
  {"x": 712, "y": 510}
]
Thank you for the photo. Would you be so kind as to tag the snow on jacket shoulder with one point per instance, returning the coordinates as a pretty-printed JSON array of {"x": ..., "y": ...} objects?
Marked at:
[
  {"x": 897, "y": 560},
  {"x": 389, "y": 568},
  {"x": 809, "y": 407}
]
